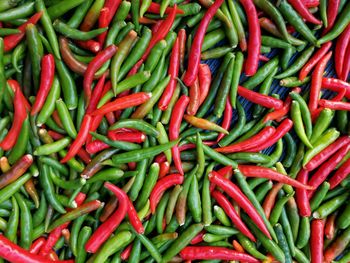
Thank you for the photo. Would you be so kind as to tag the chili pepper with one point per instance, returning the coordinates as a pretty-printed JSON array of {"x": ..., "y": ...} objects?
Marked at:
[
  {"x": 316, "y": 242},
  {"x": 155, "y": 9},
  {"x": 18, "y": 169},
  {"x": 194, "y": 56},
  {"x": 304, "y": 12},
  {"x": 263, "y": 100},
  {"x": 250, "y": 143},
  {"x": 301, "y": 195},
  {"x": 329, "y": 229},
  {"x": 94, "y": 65},
  {"x": 340, "y": 50}
]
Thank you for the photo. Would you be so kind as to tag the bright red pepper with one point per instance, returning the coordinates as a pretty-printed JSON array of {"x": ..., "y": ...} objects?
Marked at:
[
  {"x": 311, "y": 3},
  {"x": 197, "y": 239},
  {"x": 15, "y": 86},
  {"x": 342, "y": 172},
  {"x": 332, "y": 12},
  {"x": 329, "y": 232},
  {"x": 134, "y": 218},
  {"x": 336, "y": 85},
  {"x": 161, "y": 186},
  {"x": 237, "y": 195},
  {"x": 164, "y": 168},
  {"x": 204, "y": 77},
  {"x": 173, "y": 71},
  {"x": 96, "y": 146},
  {"x": 304, "y": 12},
  {"x": 194, "y": 56},
  {"x": 174, "y": 128},
  {"x": 316, "y": 240},
  {"x": 93, "y": 66},
  {"x": 155, "y": 9},
  {"x": 11, "y": 41},
  {"x": 211, "y": 252},
  {"x": 228, "y": 112},
  {"x": 103, "y": 21},
  {"x": 232, "y": 214},
  {"x": 346, "y": 66},
  {"x": 313, "y": 61},
  {"x": 301, "y": 195},
  {"x": 126, "y": 252},
  {"x": 84, "y": 155},
  {"x": 46, "y": 80},
  {"x": 36, "y": 245},
  {"x": 340, "y": 50},
  {"x": 264, "y": 172},
  {"x": 80, "y": 139},
  {"x": 260, "y": 99},
  {"x": 254, "y": 40},
  {"x": 96, "y": 95},
  {"x": 250, "y": 143},
  {"x": 281, "y": 130},
  {"x": 133, "y": 136},
  {"x": 19, "y": 116},
  {"x": 334, "y": 105},
  {"x": 316, "y": 82},
  {"x": 90, "y": 45},
  {"x": 103, "y": 232},
  {"x": 132, "y": 100}
]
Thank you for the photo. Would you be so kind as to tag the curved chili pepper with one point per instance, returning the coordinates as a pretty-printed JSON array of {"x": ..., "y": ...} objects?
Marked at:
[
  {"x": 254, "y": 40},
  {"x": 314, "y": 60},
  {"x": 204, "y": 124},
  {"x": 174, "y": 128},
  {"x": 316, "y": 240},
  {"x": 18, "y": 169},
  {"x": 12, "y": 41},
  {"x": 270, "y": 199},
  {"x": 195, "y": 52},
  {"x": 280, "y": 131},
  {"x": 194, "y": 95},
  {"x": 340, "y": 50},
  {"x": 301, "y": 195},
  {"x": 304, "y": 12},
  {"x": 346, "y": 66},
  {"x": 36, "y": 245},
  {"x": 340, "y": 174},
  {"x": 236, "y": 194},
  {"x": 90, "y": 45},
  {"x": 93, "y": 66},
  {"x": 162, "y": 185},
  {"x": 198, "y": 238},
  {"x": 96, "y": 146},
  {"x": 46, "y": 80},
  {"x": 134, "y": 218},
  {"x": 228, "y": 112},
  {"x": 336, "y": 85},
  {"x": 15, "y": 86},
  {"x": 155, "y": 9},
  {"x": 316, "y": 82},
  {"x": 96, "y": 95},
  {"x": 260, "y": 99},
  {"x": 263, "y": 172},
  {"x": 208, "y": 253},
  {"x": 103, "y": 232},
  {"x": 334, "y": 105},
  {"x": 311, "y": 3},
  {"x": 204, "y": 77},
  {"x": 173, "y": 71},
  {"x": 69, "y": 59},
  {"x": 232, "y": 214},
  {"x": 20, "y": 115},
  {"x": 252, "y": 142},
  {"x": 164, "y": 168},
  {"x": 126, "y": 252},
  {"x": 332, "y": 12},
  {"x": 80, "y": 139},
  {"x": 123, "y": 103}
]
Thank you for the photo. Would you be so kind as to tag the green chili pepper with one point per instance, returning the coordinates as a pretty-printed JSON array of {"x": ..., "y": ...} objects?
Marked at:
[
  {"x": 12, "y": 223},
  {"x": 26, "y": 223},
  {"x": 298, "y": 123},
  {"x": 330, "y": 206},
  {"x": 160, "y": 211}
]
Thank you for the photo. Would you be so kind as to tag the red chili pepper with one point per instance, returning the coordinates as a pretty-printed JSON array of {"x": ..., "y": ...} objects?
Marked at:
[
  {"x": 254, "y": 40},
  {"x": 162, "y": 32},
  {"x": 134, "y": 136},
  {"x": 313, "y": 61},
  {"x": 155, "y": 9},
  {"x": 161, "y": 186},
  {"x": 340, "y": 50},
  {"x": 134, "y": 218},
  {"x": 84, "y": 155},
  {"x": 126, "y": 252},
  {"x": 250, "y": 143},
  {"x": 164, "y": 168},
  {"x": 194, "y": 94},
  {"x": 332, "y": 12},
  {"x": 228, "y": 112},
  {"x": 80, "y": 139},
  {"x": 334, "y": 105},
  {"x": 211, "y": 252},
  {"x": 335, "y": 85},
  {"x": 232, "y": 214},
  {"x": 198, "y": 238},
  {"x": 311, "y": 3},
  {"x": 194, "y": 56},
  {"x": 316, "y": 82},
  {"x": 95, "y": 123},
  {"x": 96, "y": 146},
  {"x": 346, "y": 66},
  {"x": 14, "y": 253},
  {"x": 55, "y": 135},
  {"x": 337, "y": 246},
  {"x": 36, "y": 245},
  {"x": 260, "y": 99},
  {"x": 281, "y": 130},
  {"x": 182, "y": 47},
  {"x": 204, "y": 77},
  {"x": 135, "y": 68},
  {"x": 236, "y": 194},
  {"x": 278, "y": 114},
  {"x": 270, "y": 199},
  {"x": 103, "y": 21},
  {"x": 90, "y": 45},
  {"x": 94, "y": 65},
  {"x": 11, "y": 41},
  {"x": 174, "y": 128},
  {"x": 96, "y": 94},
  {"x": 340, "y": 95},
  {"x": 304, "y": 12},
  {"x": 19, "y": 116},
  {"x": 110, "y": 117},
  {"x": 316, "y": 240},
  {"x": 342, "y": 172},
  {"x": 263, "y": 58},
  {"x": 326, "y": 153},
  {"x": 103, "y": 232},
  {"x": 112, "y": 5},
  {"x": 132, "y": 100},
  {"x": 329, "y": 232},
  {"x": 14, "y": 85},
  {"x": 263, "y": 172},
  {"x": 301, "y": 195},
  {"x": 173, "y": 71},
  {"x": 46, "y": 80},
  {"x": 237, "y": 246}
]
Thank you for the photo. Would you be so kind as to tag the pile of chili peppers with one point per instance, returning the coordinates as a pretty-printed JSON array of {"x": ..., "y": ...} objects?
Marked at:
[{"x": 118, "y": 141}]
